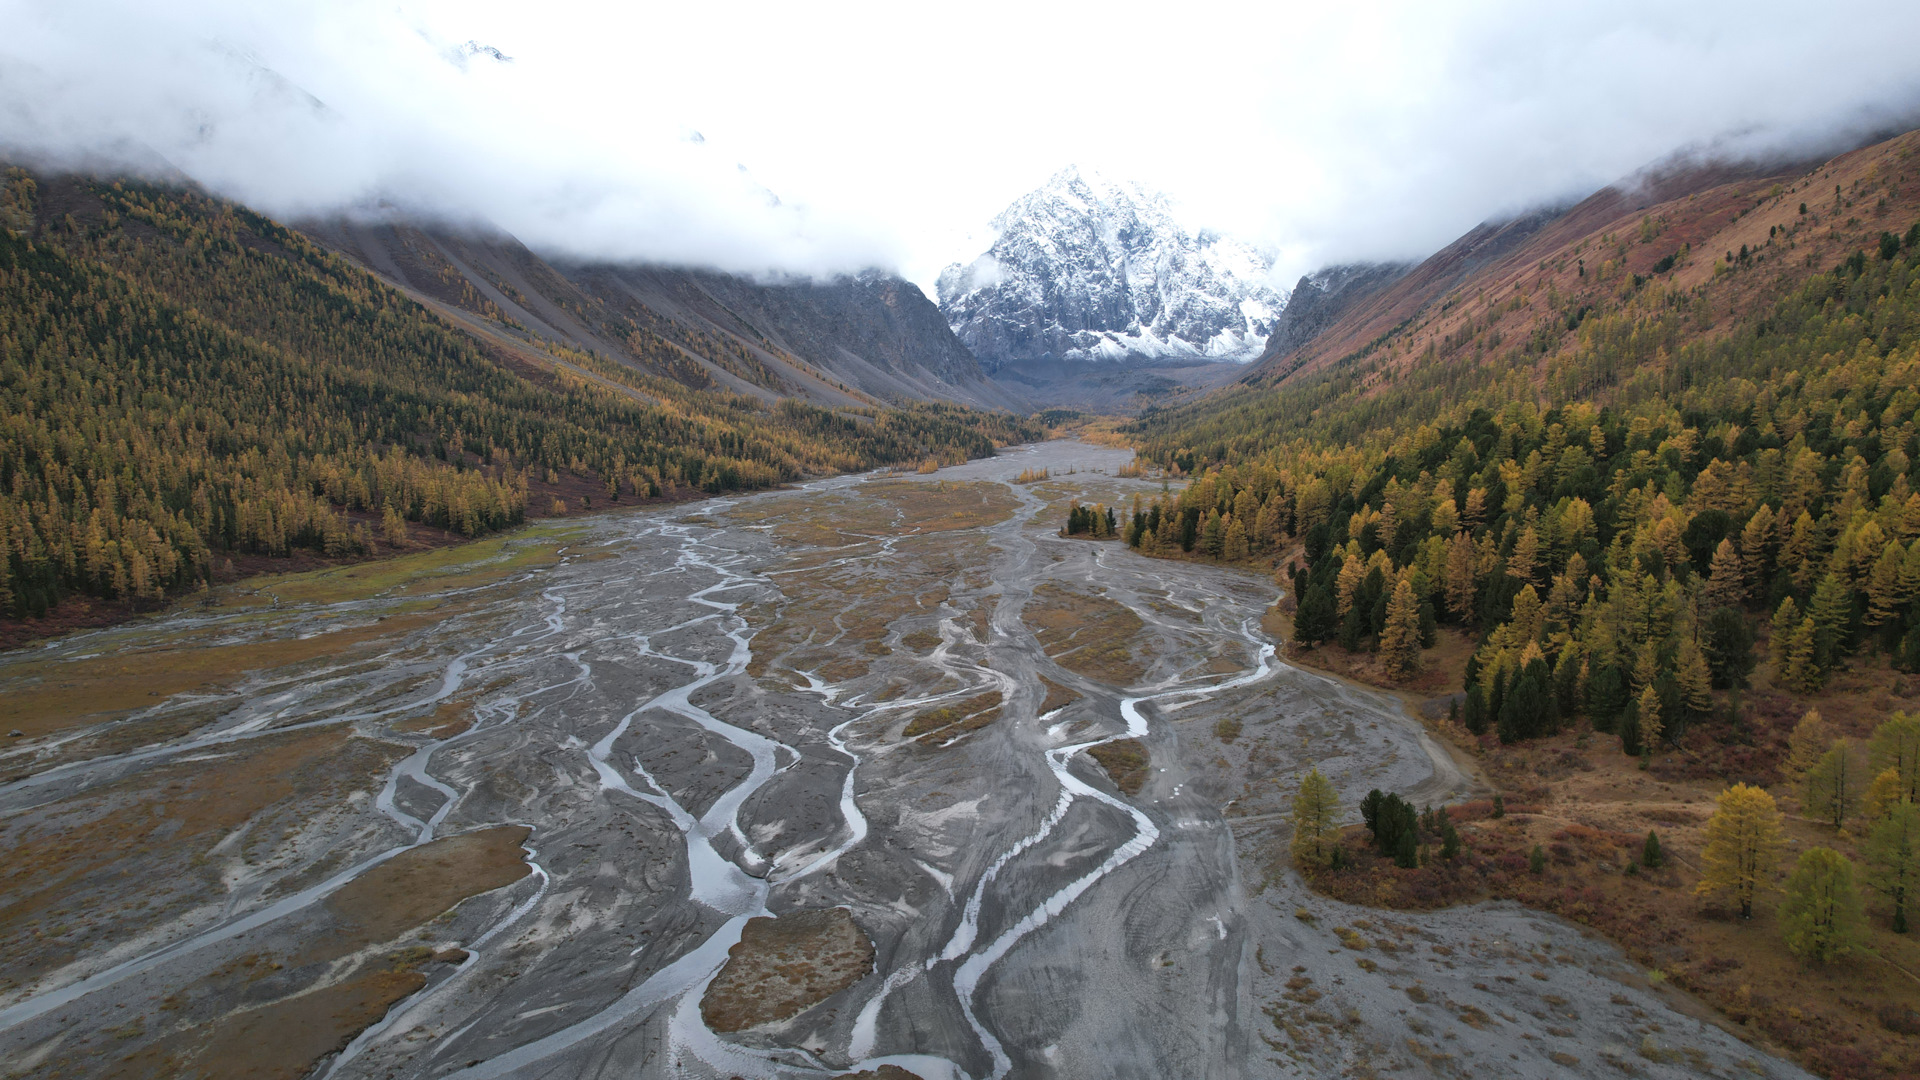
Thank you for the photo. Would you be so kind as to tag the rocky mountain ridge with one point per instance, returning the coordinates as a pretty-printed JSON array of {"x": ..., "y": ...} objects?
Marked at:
[
  {"x": 863, "y": 340},
  {"x": 1086, "y": 268}
]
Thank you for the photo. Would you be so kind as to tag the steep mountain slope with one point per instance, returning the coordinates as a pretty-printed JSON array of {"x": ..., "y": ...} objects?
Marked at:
[
  {"x": 183, "y": 381},
  {"x": 1088, "y": 269},
  {"x": 1508, "y": 304},
  {"x": 1499, "y": 253},
  {"x": 865, "y": 340},
  {"x": 1658, "y": 465},
  {"x": 1322, "y": 298}
]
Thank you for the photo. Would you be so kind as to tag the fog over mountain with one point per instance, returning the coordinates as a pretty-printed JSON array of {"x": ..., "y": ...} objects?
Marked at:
[
  {"x": 1089, "y": 268},
  {"x": 758, "y": 138}
]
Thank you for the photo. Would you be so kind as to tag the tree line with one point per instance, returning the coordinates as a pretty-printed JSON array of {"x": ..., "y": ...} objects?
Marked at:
[
  {"x": 1821, "y": 902},
  {"x": 1616, "y": 562},
  {"x": 181, "y": 377}
]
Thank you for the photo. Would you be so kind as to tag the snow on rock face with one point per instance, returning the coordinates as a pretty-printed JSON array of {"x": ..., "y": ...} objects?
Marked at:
[{"x": 1089, "y": 269}]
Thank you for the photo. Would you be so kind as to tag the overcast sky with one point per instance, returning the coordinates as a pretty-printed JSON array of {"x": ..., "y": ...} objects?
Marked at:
[{"x": 826, "y": 137}]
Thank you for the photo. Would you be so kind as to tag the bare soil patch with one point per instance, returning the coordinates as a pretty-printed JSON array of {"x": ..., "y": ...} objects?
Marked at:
[{"x": 783, "y": 966}]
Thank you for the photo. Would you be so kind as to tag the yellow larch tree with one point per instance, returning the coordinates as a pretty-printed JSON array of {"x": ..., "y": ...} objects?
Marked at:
[{"x": 1742, "y": 848}]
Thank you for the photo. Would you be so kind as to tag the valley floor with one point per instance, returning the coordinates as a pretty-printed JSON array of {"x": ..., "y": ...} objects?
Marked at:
[{"x": 509, "y": 812}]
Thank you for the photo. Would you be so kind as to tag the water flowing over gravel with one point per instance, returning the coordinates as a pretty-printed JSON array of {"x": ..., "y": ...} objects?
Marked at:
[{"x": 699, "y": 714}]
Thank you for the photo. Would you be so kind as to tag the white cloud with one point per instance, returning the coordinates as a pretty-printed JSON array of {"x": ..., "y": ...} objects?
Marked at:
[{"x": 891, "y": 133}]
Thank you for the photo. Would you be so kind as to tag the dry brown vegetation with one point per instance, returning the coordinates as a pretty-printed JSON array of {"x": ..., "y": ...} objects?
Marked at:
[
  {"x": 884, "y": 1072},
  {"x": 884, "y": 507},
  {"x": 66, "y": 870},
  {"x": 951, "y": 721},
  {"x": 809, "y": 633},
  {"x": 1058, "y": 697},
  {"x": 1087, "y": 635},
  {"x": 1126, "y": 763},
  {"x": 48, "y": 696},
  {"x": 282, "y": 1040},
  {"x": 1442, "y": 668},
  {"x": 921, "y": 641},
  {"x": 783, "y": 966},
  {"x": 1589, "y": 808},
  {"x": 809, "y": 630},
  {"x": 347, "y": 977},
  {"x": 422, "y": 882}
]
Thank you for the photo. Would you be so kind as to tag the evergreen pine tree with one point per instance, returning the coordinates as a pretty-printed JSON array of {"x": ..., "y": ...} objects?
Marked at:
[
  {"x": 1476, "y": 710},
  {"x": 1831, "y": 610},
  {"x": 1729, "y": 648},
  {"x": 1650, "y": 856},
  {"x": 1353, "y": 629},
  {"x": 1406, "y": 851},
  {"x": 1606, "y": 697},
  {"x": 1315, "y": 620}
]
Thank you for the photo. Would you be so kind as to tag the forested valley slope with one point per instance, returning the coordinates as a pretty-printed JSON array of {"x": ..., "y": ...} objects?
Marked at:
[
  {"x": 1631, "y": 488},
  {"x": 184, "y": 382}
]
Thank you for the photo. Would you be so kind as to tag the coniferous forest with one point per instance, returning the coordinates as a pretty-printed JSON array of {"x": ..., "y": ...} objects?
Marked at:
[
  {"x": 182, "y": 379},
  {"x": 1621, "y": 503},
  {"x": 1640, "y": 507}
]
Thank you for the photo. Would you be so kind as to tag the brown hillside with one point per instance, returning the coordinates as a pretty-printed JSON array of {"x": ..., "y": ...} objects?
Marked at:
[
  {"x": 859, "y": 341},
  {"x": 1492, "y": 285}
]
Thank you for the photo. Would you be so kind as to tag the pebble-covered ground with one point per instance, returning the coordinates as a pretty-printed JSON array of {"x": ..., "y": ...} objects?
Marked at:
[{"x": 613, "y": 742}]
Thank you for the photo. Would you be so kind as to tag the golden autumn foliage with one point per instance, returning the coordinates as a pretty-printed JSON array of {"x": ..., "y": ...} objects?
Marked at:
[
  {"x": 181, "y": 377},
  {"x": 1742, "y": 847}
]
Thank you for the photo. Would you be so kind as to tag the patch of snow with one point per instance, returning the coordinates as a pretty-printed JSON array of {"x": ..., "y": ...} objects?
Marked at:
[{"x": 1087, "y": 268}]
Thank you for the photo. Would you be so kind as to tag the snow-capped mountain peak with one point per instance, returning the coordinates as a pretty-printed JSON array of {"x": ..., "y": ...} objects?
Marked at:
[{"x": 1089, "y": 268}]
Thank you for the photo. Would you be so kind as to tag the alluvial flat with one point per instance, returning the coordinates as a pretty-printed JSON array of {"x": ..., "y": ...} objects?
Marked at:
[{"x": 872, "y": 695}]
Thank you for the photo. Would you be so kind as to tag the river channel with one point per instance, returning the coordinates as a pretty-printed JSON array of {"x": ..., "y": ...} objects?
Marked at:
[{"x": 652, "y": 727}]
